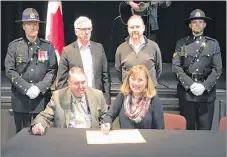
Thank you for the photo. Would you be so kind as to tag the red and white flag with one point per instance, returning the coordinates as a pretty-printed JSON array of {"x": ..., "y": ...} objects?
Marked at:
[{"x": 54, "y": 27}]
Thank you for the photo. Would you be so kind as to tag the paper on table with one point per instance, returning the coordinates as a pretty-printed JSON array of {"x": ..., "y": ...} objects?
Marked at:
[{"x": 115, "y": 137}]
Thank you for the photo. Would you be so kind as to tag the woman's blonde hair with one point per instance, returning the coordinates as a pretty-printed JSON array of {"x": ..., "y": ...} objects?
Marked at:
[{"x": 149, "y": 91}]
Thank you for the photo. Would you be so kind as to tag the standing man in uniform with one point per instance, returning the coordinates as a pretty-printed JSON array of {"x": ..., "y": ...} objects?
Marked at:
[
  {"x": 197, "y": 63},
  {"x": 31, "y": 67}
]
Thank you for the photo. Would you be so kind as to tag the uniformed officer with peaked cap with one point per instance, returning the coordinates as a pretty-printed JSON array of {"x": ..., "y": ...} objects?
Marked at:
[
  {"x": 198, "y": 65},
  {"x": 31, "y": 67}
]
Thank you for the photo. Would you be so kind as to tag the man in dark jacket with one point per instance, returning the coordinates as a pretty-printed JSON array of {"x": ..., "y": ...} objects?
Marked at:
[
  {"x": 197, "y": 63},
  {"x": 31, "y": 67},
  {"x": 88, "y": 55}
]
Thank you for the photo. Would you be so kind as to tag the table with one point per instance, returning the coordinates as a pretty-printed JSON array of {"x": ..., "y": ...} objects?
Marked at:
[{"x": 60, "y": 142}]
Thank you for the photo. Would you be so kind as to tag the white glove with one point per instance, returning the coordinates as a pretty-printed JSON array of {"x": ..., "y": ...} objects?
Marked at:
[
  {"x": 33, "y": 92},
  {"x": 193, "y": 86},
  {"x": 198, "y": 89},
  {"x": 30, "y": 94}
]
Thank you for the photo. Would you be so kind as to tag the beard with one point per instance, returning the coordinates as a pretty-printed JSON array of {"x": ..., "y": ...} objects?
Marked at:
[{"x": 135, "y": 35}]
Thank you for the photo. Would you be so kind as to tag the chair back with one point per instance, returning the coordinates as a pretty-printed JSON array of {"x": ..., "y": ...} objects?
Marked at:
[
  {"x": 222, "y": 124},
  {"x": 174, "y": 122}
]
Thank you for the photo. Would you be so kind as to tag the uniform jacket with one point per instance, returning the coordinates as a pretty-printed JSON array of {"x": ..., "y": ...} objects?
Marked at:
[
  {"x": 56, "y": 110},
  {"x": 71, "y": 58},
  {"x": 41, "y": 72},
  {"x": 208, "y": 64}
]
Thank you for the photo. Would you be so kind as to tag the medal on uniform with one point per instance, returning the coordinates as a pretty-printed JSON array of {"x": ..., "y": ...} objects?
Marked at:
[
  {"x": 42, "y": 56},
  {"x": 45, "y": 55}
]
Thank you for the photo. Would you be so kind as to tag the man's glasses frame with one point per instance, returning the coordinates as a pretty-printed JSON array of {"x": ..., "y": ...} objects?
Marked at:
[{"x": 85, "y": 29}]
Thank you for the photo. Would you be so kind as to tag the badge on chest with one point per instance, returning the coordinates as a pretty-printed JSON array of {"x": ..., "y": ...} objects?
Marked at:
[{"x": 42, "y": 56}]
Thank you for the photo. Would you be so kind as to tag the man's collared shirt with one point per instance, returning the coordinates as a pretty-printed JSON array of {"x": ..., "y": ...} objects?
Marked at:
[
  {"x": 86, "y": 57},
  {"x": 138, "y": 47},
  {"x": 81, "y": 116}
]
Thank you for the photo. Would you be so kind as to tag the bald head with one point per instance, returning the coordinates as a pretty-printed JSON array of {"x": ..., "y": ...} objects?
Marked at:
[
  {"x": 135, "y": 17},
  {"x": 136, "y": 28}
]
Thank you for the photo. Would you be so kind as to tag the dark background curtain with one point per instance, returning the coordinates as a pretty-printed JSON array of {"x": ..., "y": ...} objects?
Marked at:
[{"x": 111, "y": 33}]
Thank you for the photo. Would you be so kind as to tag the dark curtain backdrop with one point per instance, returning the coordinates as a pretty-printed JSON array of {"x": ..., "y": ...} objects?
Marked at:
[{"x": 111, "y": 33}]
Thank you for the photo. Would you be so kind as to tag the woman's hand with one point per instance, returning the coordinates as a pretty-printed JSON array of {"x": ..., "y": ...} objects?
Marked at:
[{"x": 105, "y": 128}]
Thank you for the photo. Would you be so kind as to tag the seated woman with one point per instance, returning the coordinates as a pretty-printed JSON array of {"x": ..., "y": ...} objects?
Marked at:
[{"x": 137, "y": 105}]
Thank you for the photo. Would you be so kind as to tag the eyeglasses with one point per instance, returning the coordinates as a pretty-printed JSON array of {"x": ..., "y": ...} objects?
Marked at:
[
  {"x": 85, "y": 29},
  {"x": 133, "y": 27},
  {"x": 78, "y": 83}
]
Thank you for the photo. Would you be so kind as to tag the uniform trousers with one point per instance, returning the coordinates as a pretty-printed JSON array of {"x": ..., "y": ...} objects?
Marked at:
[
  {"x": 199, "y": 115},
  {"x": 23, "y": 120}
]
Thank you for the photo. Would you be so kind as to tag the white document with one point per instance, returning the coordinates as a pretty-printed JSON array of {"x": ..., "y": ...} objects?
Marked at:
[{"x": 115, "y": 137}]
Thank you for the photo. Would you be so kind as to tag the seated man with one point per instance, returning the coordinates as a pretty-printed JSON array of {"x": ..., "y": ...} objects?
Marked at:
[{"x": 75, "y": 106}]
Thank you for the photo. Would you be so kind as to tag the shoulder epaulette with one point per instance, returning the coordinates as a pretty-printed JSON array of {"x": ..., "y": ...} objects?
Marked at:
[
  {"x": 186, "y": 38},
  {"x": 44, "y": 40},
  {"x": 16, "y": 40},
  {"x": 209, "y": 38},
  {"x": 183, "y": 40}
]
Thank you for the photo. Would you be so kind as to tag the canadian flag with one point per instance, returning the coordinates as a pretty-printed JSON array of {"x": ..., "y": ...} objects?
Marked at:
[{"x": 54, "y": 27}]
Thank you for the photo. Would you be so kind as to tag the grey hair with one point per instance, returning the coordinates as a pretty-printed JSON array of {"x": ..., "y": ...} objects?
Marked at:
[{"x": 81, "y": 20}]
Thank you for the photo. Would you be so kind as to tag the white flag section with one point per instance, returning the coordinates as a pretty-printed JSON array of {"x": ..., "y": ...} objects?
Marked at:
[{"x": 54, "y": 27}]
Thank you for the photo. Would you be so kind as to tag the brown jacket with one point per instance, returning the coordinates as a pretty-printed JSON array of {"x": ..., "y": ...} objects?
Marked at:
[{"x": 56, "y": 110}]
